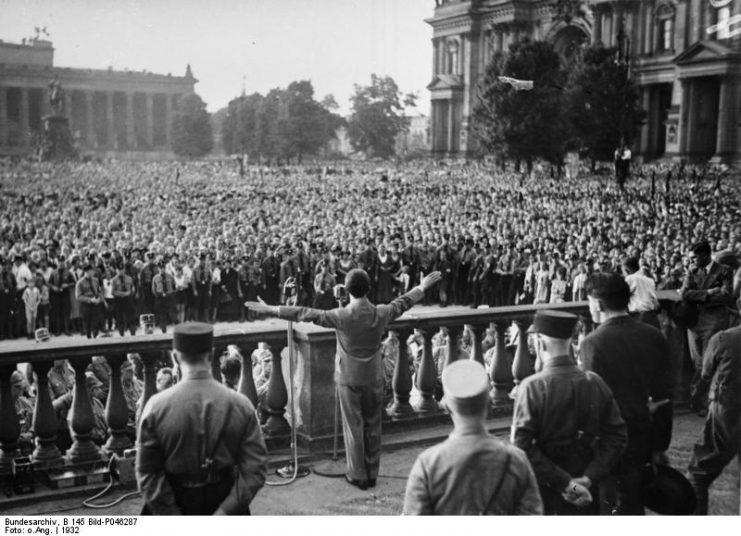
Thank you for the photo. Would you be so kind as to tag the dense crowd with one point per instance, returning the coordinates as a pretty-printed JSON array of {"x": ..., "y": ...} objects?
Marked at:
[{"x": 89, "y": 247}]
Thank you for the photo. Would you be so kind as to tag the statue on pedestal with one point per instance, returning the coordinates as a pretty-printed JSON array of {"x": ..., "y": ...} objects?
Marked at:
[{"x": 56, "y": 97}]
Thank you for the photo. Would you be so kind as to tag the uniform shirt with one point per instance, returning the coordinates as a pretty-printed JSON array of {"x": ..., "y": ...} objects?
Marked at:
[
  {"x": 549, "y": 412},
  {"x": 87, "y": 290},
  {"x": 460, "y": 475},
  {"x": 178, "y": 430},
  {"x": 163, "y": 285},
  {"x": 122, "y": 286},
  {"x": 360, "y": 327},
  {"x": 642, "y": 293}
]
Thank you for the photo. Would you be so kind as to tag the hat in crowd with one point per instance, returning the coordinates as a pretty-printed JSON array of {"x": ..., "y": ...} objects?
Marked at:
[
  {"x": 666, "y": 491},
  {"x": 464, "y": 383},
  {"x": 556, "y": 324},
  {"x": 193, "y": 338},
  {"x": 87, "y": 267}
]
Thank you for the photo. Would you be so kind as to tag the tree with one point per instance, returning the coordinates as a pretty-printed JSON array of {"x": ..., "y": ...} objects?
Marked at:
[
  {"x": 310, "y": 124},
  {"x": 603, "y": 102},
  {"x": 377, "y": 116},
  {"x": 192, "y": 135},
  {"x": 239, "y": 130},
  {"x": 523, "y": 124}
]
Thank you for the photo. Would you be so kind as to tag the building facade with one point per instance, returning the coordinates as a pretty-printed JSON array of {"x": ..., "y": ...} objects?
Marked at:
[
  {"x": 685, "y": 55},
  {"x": 122, "y": 114}
]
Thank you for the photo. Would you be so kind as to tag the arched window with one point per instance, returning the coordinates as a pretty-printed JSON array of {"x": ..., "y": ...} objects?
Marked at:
[
  {"x": 665, "y": 27},
  {"x": 452, "y": 49}
]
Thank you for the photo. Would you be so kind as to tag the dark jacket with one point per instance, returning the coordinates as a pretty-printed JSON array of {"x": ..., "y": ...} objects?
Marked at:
[
  {"x": 721, "y": 364},
  {"x": 633, "y": 359}
]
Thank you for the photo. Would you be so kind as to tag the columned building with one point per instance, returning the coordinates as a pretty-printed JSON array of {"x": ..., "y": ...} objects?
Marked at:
[
  {"x": 112, "y": 113},
  {"x": 685, "y": 55}
]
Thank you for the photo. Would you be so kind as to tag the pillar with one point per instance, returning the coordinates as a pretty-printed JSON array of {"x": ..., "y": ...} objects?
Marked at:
[
  {"x": 130, "y": 131},
  {"x": 45, "y": 422},
  {"x": 646, "y": 126},
  {"x": 3, "y": 117},
  {"x": 92, "y": 140},
  {"x": 10, "y": 428},
  {"x": 82, "y": 420},
  {"x": 402, "y": 381},
  {"x": 112, "y": 138},
  {"x": 500, "y": 371},
  {"x": 149, "y": 360},
  {"x": 427, "y": 376},
  {"x": 168, "y": 120},
  {"x": 276, "y": 400},
  {"x": 477, "y": 353},
  {"x": 449, "y": 145},
  {"x": 684, "y": 117},
  {"x": 726, "y": 118},
  {"x": 522, "y": 365},
  {"x": 116, "y": 410},
  {"x": 23, "y": 119},
  {"x": 597, "y": 33},
  {"x": 246, "y": 381},
  {"x": 454, "y": 333},
  {"x": 149, "y": 133}
]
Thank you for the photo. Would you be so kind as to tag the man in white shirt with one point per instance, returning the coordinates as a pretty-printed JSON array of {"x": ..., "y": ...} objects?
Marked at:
[{"x": 644, "y": 303}]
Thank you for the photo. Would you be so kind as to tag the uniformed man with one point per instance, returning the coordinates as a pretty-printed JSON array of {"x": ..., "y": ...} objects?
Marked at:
[
  {"x": 123, "y": 300},
  {"x": 567, "y": 421},
  {"x": 200, "y": 448},
  {"x": 358, "y": 365},
  {"x": 89, "y": 293},
  {"x": 163, "y": 289},
  {"x": 721, "y": 371},
  {"x": 471, "y": 472}
]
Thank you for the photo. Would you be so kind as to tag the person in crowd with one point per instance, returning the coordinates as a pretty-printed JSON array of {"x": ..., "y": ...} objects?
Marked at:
[
  {"x": 88, "y": 293},
  {"x": 218, "y": 472},
  {"x": 165, "y": 379},
  {"x": 24, "y": 411},
  {"x": 472, "y": 472},
  {"x": 124, "y": 292},
  {"x": 359, "y": 365},
  {"x": 633, "y": 359},
  {"x": 644, "y": 303},
  {"x": 567, "y": 422},
  {"x": 31, "y": 302},
  {"x": 231, "y": 370},
  {"x": 163, "y": 290},
  {"x": 133, "y": 388},
  {"x": 719, "y": 443},
  {"x": 708, "y": 288}
]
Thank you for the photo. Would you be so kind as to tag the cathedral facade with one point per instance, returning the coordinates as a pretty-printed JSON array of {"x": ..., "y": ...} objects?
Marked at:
[
  {"x": 123, "y": 114},
  {"x": 685, "y": 55}
]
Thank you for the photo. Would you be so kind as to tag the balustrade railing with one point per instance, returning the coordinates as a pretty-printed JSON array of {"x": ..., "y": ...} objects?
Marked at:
[{"x": 312, "y": 393}]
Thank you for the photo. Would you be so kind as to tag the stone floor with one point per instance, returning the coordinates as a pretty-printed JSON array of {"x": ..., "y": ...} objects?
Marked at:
[{"x": 317, "y": 495}]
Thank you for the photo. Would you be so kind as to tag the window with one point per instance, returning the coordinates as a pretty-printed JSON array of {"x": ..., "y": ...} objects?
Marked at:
[
  {"x": 665, "y": 28},
  {"x": 452, "y": 50}
]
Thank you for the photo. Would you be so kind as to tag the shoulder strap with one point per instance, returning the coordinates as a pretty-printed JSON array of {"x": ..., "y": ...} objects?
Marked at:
[{"x": 499, "y": 484}]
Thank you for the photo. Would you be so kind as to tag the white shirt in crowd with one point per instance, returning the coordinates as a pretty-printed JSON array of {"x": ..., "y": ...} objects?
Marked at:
[{"x": 642, "y": 293}]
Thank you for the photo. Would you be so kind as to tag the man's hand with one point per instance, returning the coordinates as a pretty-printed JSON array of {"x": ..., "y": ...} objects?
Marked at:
[
  {"x": 653, "y": 407},
  {"x": 577, "y": 494},
  {"x": 430, "y": 280},
  {"x": 260, "y": 308}
]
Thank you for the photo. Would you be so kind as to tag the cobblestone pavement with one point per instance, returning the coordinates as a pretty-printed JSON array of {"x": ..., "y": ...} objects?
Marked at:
[{"x": 317, "y": 495}]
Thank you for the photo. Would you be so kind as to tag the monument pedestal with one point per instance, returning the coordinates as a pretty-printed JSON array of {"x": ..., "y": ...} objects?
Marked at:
[{"x": 57, "y": 142}]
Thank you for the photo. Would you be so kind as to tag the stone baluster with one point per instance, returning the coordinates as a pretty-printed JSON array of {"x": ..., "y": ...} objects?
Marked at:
[
  {"x": 477, "y": 350},
  {"x": 116, "y": 410},
  {"x": 490, "y": 338},
  {"x": 45, "y": 422},
  {"x": 453, "y": 344},
  {"x": 149, "y": 359},
  {"x": 218, "y": 351},
  {"x": 402, "y": 381},
  {"x": 10, "y": 427},
  {"x": 82, "y": 420},
  {"x": 500, "y": 370},
  {"x": 427, "y": 377},
  {"x": 246, "y": 380},
  {"x": 523, "y": 365},
  {"x": 276, "y": 401}
]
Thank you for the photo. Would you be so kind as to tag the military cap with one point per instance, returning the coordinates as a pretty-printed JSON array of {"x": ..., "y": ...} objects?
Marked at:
[
  {"x": 465, "y": 382},
  {"x": 556, "y": 324},
  {"x": 193, "y": 338}
]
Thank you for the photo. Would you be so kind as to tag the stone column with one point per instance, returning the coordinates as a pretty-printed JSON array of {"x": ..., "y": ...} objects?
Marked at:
[
  {"x": 149, "y": 133},
  {"x": 3, "y": 117},
  {"x": 168, "y": 120},
  {"x": 454, "y": 333},
  {"x": 10, "y": 428},
  {"x": 45, "y": 423},
  {"x": 449, "y": 134},
  {"x": 130, "y": 131},
  {"x": 116, "y": 411},
  {"x": 67, "y": 112},
  {"x": 401, "y": 382},
  {"x": 276, "y": 400},
  {"x": 597, "y": 27},
  {"x": 92, "y": 139},
  {"x": 500, "y": 371},
  {"x": 111, "y": 133},
  {"x": 685, "y": 117},
  {"x": 726, "y": 118},
  {"x": 477, "y": 353},
  {"x": 82, "y": 419},
  {"x": 246, "y": 381},
  {"x": 646, "y": 127},
  {"x": 427, "y": 376},
  {"x": 435, "y": 56},
  {"x": 23, "y": 119}
]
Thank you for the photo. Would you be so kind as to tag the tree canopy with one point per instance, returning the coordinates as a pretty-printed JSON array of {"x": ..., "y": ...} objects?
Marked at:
[{"x": 192, "y": 135}]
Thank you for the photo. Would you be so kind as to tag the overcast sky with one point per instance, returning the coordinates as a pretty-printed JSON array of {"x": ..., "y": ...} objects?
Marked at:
[{"x": 334, "y": 43}]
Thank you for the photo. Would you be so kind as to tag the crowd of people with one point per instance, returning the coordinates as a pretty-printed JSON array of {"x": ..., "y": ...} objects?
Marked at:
[{"x": 90, "y": 247}]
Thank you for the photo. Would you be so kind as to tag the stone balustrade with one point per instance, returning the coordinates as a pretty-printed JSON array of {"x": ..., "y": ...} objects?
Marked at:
[{"x": 312, "y": 374}]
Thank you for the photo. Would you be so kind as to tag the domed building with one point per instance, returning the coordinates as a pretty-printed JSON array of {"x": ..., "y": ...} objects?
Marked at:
[{"x": 685, "y": 55}]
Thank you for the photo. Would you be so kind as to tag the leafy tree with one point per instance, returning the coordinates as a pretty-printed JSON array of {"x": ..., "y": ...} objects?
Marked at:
[
  {"x": 239, "y": 130},
  {"x": 378, "y": 116},
  {"x": 523, "y": 124},
  {"x": 192, "y": 135},
  {"x": 603, "y": 102}
]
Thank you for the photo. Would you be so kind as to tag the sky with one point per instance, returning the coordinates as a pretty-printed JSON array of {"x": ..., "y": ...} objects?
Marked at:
[{"x": 231, "y": 44}]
